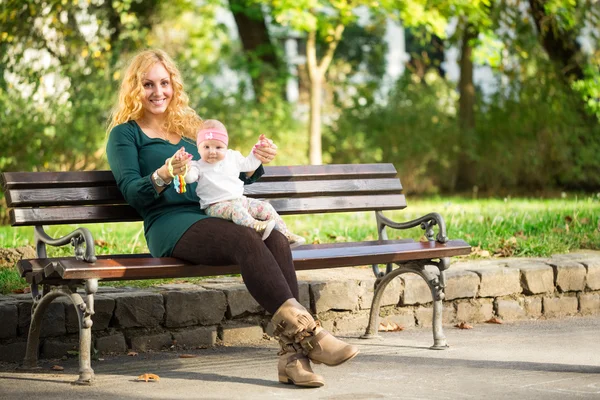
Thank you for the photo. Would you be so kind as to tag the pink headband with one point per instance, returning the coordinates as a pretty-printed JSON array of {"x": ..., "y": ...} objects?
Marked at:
[{"x": 212, "y": 134}]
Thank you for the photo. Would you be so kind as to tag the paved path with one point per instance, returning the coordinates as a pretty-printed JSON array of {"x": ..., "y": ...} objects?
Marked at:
[{"x": 555, "y": 359}]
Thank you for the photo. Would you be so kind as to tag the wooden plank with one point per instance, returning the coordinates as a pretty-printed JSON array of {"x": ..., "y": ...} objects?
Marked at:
[
  {"x": 342, "y": 187},
  {"x": 124, "y": 213},
  {"x": 39, "y": 264},
  {"x": 330, "y": 171},
  {"x": 43, "y": 197},
  {"x": 72, "y": 215},
  {"x": 29, "y": 180},
  {"x": 315, "y": 205},
  {"x": 156, "y": 268}
]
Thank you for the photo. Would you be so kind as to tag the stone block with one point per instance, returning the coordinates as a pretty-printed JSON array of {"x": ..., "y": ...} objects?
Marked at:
[
  {"x": 59, "y": 347},
  {"x": 478, "y": 310},
  {"x": 390, "y": 297},
  {"x": 236, "y": 333},
  {"x": 536, "y": 277},
  {"x": 510, "y": 310},
  {"x": 335, "y": 295},
  {"x": 239, "y": 300},
  {"x": 187, "y": 308},
  {"x": 112, "y": 343},
  {"x": 569, "y": 275},
  {"x": 9, "y": 315},
  {"x": 304, "y": 294},
  {"x": 352, "y": 323},
  {"x": 416, "y": 290},
  {"x": 461, "y": 284},
  {"x": 589, "y": 303},
  {"x": 53, "y": 320},
  {"x": 533, "y": 306},
  {"x": 138, "y": 309},
  {"x": 560, "y": 306},
  {"x": 13, "y": 352},
  {"x": 404, "y": 317},
  {"x": 103, "y": 313},
  {"x": 448, "y": 313},
  {"x": 150, "y": 341},
  {"x": 498, "y": 281},
  {"x": 424, "y": 316},
  {"x": 201, "y": 336},
  {"x": 592, "y": 278}
]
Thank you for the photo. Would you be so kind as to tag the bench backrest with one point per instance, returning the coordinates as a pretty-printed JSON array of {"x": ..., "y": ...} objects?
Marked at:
[{"x": 51, "y": 198}]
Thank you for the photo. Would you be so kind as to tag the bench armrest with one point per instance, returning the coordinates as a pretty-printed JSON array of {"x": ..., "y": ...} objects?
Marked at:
[
  {"x": 427, "y": 222},
  {"x": 79, "y": 238}
]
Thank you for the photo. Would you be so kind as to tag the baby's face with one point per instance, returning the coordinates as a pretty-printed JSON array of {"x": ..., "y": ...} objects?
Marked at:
[{"x": 212, "y": 151}]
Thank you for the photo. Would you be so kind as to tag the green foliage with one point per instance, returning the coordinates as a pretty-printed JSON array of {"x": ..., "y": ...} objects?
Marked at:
[{"x": 416, "y": 130}]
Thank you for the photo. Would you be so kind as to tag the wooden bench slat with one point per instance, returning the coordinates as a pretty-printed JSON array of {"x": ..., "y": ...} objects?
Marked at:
[
  {"x": 124, "y": 213},
  {"x": 72, "y": 215},
  {"x": 64, "y": 196},
  {"x": 29, "y": 180},
  {"x": 332, "y": 256},
  {"x": 315, "y": 205},
  {"x": 330, "y": 171},
  {"x": 73, "y": 196}
]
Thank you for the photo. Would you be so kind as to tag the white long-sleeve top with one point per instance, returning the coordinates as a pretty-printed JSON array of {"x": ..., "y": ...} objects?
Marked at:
[{"x": 220, "y": 181}]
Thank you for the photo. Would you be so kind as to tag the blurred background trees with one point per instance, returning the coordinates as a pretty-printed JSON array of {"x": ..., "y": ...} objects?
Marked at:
[{"x": 483, "y": 95}]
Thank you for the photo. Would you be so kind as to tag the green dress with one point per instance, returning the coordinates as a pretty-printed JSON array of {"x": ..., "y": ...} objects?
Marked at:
[{"x": 133, "y": 157}]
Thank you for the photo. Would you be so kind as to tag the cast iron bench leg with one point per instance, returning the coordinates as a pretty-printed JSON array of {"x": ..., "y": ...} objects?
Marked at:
[
  {"x": 437, "y": 293},
  {"x": 84, "y": 314}
]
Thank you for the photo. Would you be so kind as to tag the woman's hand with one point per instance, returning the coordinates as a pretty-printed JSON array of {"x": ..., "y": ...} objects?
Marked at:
[
  {"x": 180, "y": 159},
  {"x": 265, "y": 150}
]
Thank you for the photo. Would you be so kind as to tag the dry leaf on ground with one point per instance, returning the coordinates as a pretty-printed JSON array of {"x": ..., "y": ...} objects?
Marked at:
[
  {"x": 132, "y": 354},
  {"x": 57, "y": 368},
  {"x": 187, "y": 356},
  {"x": 477, "y": 251},
  {"x": 390, "y": 327},
  {"x": 148, "y": 378},
  {"x": 494, "y": 320},
  {"x": 463, "y": 325}
]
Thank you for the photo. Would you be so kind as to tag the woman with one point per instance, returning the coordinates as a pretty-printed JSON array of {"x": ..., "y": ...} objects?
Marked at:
[{"x": 151, "y": 126}]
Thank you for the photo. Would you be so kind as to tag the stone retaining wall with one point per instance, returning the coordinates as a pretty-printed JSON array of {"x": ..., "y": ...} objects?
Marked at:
[{"x": 221, "y": 311}]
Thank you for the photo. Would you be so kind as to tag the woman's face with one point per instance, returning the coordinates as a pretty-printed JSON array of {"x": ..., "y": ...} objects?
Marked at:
[
  {"x": 212, "y": 151},
  {"x": 158, "y": 90}
]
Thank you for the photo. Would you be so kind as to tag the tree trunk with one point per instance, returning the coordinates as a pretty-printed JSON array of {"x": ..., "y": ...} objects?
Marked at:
[
  {"x": 466, "y": 177},
  {"x": 564, "y": 52},
  {"x": 260, "y": 53},
  {"x": 315, "y": 154}
]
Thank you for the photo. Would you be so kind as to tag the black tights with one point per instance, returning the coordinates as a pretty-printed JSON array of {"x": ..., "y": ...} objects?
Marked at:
[{"x": 267, "y": 266}]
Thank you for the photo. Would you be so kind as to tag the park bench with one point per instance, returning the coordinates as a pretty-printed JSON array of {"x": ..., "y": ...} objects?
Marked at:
[{"x": 52, "y": 198}]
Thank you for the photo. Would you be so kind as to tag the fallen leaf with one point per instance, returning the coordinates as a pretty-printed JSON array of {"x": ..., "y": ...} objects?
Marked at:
[
  {"x": 568, "y": 219},
  {"x": 57, "y": 368},
  {"x": 463, "y": 325},
  {"x": 494, "y": 320},
  {"x": 100, "y": 242},
  {"x": 187, "y": 356},
  {"x": 132, "y": 354},
  {"x": 148, "y": 378},
  {"x": 520, "y": 235},
  {"x": 390, "y": 327},
  {"x": 477, "y": 251},
  {"x": 584, "y": 221}
]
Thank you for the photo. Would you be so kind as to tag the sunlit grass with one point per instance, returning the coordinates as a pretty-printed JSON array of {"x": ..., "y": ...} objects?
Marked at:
[{"x": 501, "y": 227}]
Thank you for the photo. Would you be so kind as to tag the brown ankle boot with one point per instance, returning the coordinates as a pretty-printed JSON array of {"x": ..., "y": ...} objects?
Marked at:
[
  {"x": 294, "y": 322},
  {"x": 294, "y": 367}
]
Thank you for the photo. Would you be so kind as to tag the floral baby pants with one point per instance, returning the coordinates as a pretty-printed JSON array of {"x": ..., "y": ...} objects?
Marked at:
[{"x": 246, "y": 212}]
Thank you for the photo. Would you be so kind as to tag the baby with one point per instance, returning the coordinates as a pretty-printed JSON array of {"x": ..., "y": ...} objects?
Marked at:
[{"x": 221, "y": 191}]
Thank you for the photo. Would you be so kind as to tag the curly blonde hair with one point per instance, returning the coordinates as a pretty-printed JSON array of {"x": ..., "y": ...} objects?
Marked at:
[{"x": 180, "y": 117}]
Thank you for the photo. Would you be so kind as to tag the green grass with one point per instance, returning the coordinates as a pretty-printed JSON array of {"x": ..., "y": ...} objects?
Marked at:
[{"x": 502, "y": 227}]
